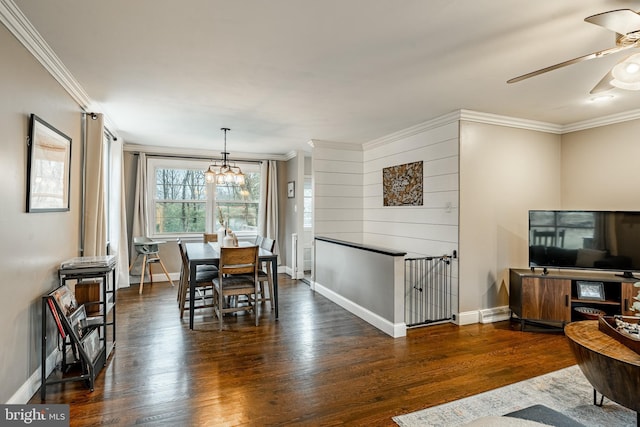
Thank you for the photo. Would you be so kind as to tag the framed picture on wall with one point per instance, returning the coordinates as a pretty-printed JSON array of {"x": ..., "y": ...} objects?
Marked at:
[
  {"x": 48, "y": 168},
  {"x": 291, "y": 189}
]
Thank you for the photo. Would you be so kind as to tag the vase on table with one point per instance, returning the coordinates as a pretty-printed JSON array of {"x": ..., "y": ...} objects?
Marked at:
[
  {"x": 227, "y": 241},
  {"x": 222, "y": 232}
]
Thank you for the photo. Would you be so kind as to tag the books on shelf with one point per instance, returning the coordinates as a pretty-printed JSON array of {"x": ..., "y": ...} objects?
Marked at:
[
  {"x": 56, "y": 318},
  {"x": 66, "y": 300},
  {"x": 85, "y": 340},
  {"x": 91, "y": 344}
]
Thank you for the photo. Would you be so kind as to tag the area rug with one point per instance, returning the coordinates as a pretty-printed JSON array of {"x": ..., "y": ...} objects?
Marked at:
[{"x": 566, "y": 391}]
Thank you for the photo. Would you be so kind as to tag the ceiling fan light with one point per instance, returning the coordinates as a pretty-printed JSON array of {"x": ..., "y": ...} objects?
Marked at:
[
  {"x": 632, "y": 68},
  {"x": 626, "y": 75},
  {"x": 625, "y": 85}
]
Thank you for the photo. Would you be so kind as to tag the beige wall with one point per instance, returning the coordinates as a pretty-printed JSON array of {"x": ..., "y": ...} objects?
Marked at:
[
  {"x": 599, "y": 168},
  {"x": 33, "y": 244},
  {"x": 504, "y": 172},
  {"x": 288, "y": 172}
]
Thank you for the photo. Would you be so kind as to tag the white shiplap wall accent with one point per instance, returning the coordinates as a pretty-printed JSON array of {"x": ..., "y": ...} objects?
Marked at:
[
  {"x": 337, "y": 190},
  {"x": 431, "y": 229}
]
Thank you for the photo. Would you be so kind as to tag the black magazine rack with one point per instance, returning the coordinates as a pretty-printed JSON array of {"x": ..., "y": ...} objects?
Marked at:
[{"x": 86, "y": 341}]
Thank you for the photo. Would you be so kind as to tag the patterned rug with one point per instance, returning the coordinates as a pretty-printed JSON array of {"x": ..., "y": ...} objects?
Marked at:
[{"x": 567, "y": 391}]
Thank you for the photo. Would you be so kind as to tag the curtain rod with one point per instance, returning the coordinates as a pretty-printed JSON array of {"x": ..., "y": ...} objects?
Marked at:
[
  {"x": 106, "y": 129},
  {"x": 209, "y": 159}
]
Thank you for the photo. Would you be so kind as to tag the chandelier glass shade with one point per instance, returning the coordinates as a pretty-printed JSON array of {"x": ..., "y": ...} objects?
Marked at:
[{"x": 225, "y": 173}]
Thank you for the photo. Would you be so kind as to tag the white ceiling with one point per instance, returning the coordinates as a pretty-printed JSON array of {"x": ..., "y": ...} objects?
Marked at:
[{"x": 280, "y": 73}]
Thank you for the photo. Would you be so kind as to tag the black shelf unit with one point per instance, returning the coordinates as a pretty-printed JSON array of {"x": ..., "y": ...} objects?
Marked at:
[{"x": 84, "y": 350}]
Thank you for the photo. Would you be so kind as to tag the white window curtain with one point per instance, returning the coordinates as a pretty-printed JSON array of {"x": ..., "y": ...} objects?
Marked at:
[
  {"x": 95, "y": 219},
  {"x": 268, "y": 214},
  {"x": 95, "y": 216},
  {"x": 140, "y": 226},
  {"x": 118, "y": 215}
]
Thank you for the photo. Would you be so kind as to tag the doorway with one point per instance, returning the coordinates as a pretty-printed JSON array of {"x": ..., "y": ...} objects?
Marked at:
[{"x": 307, "y": 235}]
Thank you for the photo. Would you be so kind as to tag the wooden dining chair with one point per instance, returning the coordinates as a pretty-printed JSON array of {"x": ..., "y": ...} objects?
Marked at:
[
  {"x": 264, "y": 272},
  {"x": 237, "y": 276},
  {"x": 210, "y": 237},
  {"x": 204, "y": 287}
]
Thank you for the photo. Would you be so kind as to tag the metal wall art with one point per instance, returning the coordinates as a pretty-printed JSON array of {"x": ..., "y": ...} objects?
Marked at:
[{"x": 402, "y": 185}]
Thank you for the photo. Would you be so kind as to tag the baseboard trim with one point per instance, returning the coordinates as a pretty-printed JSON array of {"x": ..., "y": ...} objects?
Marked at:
[
  {"x": 468, "y": 317},
  {"x": 134, "y": 279},
  {"x": 289, "y": 271},
  {"x": 33, "y": 383},
  {"x": 395, "y": 330}
]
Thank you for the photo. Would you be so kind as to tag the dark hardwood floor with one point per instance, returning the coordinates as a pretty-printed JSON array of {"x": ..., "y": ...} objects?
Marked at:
[{"x": 316, "y": 365}]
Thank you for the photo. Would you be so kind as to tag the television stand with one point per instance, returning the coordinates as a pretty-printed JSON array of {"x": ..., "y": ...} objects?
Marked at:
[
  {"x": 627, "y": 275},
  {"x": 552, "y": 298}
]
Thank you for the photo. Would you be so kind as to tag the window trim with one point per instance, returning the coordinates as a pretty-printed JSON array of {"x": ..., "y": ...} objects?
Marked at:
[{"x": 156, "y": 162}]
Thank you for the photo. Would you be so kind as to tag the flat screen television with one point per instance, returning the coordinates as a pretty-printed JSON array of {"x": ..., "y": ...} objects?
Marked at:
[{"x": 594, "y": 240}]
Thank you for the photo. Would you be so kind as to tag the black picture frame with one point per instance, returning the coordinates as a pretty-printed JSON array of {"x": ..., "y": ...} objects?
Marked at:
[
  {"x": 48, "y": 168},
  {"x": 590, "y": 290},
  {"x": 291, "y": 189}
]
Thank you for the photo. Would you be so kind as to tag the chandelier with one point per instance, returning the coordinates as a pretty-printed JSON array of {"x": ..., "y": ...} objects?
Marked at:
[{"x": 224, "y": 174}]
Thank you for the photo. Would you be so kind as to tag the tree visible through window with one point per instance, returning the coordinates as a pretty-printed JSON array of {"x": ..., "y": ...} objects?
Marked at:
[
  {"x": 179, "y": 198},
  {"x": 239, "y": 205}
]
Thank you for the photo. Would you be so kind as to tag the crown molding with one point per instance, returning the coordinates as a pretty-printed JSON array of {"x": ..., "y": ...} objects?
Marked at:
[
  {"x": 319, "y": 143},
  {"x": 514, "y": 122},
  {"x": 290, "y": 155},
  {"x": 602, "y": 121},
  {"x": 18, "y": 24},
  {"x": 413, "y": 130}
]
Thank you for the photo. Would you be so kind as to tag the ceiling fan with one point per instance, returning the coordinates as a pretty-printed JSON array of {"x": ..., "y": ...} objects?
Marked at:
[{"x": 624, "y": 75}]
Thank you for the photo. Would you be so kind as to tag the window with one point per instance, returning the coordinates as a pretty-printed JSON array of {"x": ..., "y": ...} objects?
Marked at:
[
  {"x": 308, "y": 203},
  {"x": 180, "y": 202},
  {"x": 239, "y": 205}
]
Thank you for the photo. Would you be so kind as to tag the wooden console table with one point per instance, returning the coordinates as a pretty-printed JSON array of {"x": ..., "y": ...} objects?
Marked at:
[{"x": 612, "y": 368}]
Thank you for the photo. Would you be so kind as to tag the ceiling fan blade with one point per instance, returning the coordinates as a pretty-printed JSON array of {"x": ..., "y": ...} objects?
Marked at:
[
  {"x": 603, "y": 85},
  {"x": 622, "y": 21},
  {"x": 569, "y": 62}
]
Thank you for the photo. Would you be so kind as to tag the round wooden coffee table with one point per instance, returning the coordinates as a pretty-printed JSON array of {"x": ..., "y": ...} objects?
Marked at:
[{"x": 612, "y": 368}]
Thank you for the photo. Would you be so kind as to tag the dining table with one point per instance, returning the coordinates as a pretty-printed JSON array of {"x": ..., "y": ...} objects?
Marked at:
[{"x": 200, "y": 253}]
